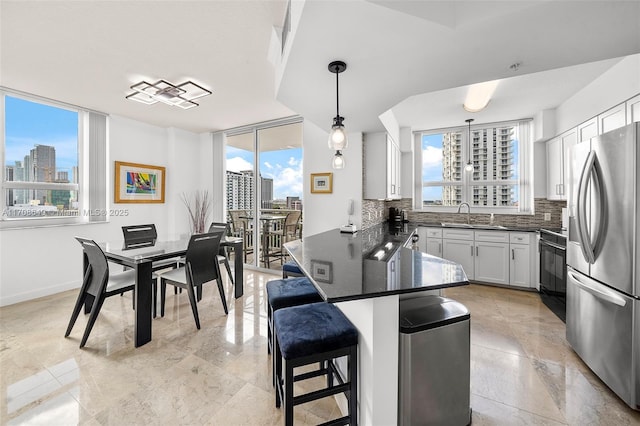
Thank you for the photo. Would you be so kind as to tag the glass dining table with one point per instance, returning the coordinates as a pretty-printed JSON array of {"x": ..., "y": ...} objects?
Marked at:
[{"x": 140, "y": 259}]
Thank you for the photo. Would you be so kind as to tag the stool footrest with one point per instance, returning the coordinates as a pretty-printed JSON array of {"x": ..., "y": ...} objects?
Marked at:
[
  {"x": 311, "y": 374},
  {"x": 337, "y": 422},
  {"x": 322, "y": 393}
]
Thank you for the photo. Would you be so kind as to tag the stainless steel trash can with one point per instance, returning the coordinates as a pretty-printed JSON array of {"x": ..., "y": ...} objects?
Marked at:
[{"x": 434, "y": 376}]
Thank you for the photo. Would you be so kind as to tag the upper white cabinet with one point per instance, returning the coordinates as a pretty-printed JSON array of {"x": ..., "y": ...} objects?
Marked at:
[
  {"x": 612, "y": 119},
  {"x": 633, "y": 110},
  {"x": 587, "y": 130},
  {"x": 557, "y": 156},
  {"x": 382, "y": 167}
]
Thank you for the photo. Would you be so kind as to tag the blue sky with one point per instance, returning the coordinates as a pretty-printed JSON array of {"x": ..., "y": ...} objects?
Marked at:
[
  {"x": 283, "y": 166},
  {"x": 28, "y": 123}
]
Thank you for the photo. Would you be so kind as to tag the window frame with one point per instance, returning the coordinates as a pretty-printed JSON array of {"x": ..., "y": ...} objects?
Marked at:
[
  {"x": 92, "y": 130},
  {"x": 523, "y": 184}
]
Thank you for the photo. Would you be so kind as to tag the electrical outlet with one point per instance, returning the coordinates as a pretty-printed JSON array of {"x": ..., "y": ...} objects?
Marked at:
[{"x": 547, "y": 216}]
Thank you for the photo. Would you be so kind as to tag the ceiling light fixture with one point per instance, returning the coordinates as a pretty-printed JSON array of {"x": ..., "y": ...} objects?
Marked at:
[
  {"x": 337, "y": 135},
  {"x": 469, "y": 166},
  {"x": 181, "y": 95},
  {"x": 479, "y": 95}
]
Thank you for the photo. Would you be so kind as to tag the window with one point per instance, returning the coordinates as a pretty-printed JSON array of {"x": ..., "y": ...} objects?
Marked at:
[
  {"x": 42, "y": 149},
  {"x": 498, "y": 182}
]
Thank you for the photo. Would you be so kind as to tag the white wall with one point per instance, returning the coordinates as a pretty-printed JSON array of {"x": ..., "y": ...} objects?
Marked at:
[
  {"x": 327, "y": 211},
  {"x": 36, "y": 262},
  {"x": 615, "y": 86}
]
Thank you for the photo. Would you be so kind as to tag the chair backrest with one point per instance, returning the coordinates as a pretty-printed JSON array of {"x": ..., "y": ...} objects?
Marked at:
[
  {"x": 139, "y": 235},
  {"x": 202, "y": 263},
  {"x": 238, "y": 220},
  {"x": 291, "y": 222},
  {"x": 220, "y": 225},
  {"x": 97, "y": 271}
]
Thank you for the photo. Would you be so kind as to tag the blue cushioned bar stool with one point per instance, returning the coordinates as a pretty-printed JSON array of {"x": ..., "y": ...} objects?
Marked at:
[
  {"x": 291, "y": 269},
  {"x": 315, "y": 333},
  {"x": 285, "y": 293}
]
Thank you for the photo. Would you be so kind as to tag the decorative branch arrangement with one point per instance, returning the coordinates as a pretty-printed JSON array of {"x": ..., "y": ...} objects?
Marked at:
[{"x": 198, "y": 207}]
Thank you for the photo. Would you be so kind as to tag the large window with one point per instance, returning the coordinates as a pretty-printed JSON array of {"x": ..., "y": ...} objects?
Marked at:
[
  {"x": 42, "y": 152},
  {"x": 499, "y": 180}
]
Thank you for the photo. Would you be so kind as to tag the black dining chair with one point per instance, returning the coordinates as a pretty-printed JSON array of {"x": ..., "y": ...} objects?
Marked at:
[
  {"x": 223, "y": 255},
  {"x": 201, "y": 267},
  {"x": 97, "y": 285},
  {"x": 138, "y": 236}
]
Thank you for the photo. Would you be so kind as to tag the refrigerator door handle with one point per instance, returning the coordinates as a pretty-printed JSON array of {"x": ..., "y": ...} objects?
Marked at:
[
  {"x": 602, "y": 214},
  {"x": 600, "y": 293},
  {"x": 581, "y": 211}
]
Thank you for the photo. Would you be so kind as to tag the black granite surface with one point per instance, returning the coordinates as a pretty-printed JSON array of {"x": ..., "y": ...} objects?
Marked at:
[
  {"x": 479, "y": 226},
  {"x": 373, "y": 262}
]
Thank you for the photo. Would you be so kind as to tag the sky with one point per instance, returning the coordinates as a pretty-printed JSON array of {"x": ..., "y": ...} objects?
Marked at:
[
  {"x": 29, "y": 123},
  {"x": 283, "y": 166}
]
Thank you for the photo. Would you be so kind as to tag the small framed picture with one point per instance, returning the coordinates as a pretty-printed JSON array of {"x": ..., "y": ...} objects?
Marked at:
[
  {"x": 321, "y": 183},
  {"x": 138, "y": 183},
  {"x": 322, "y": 271}
]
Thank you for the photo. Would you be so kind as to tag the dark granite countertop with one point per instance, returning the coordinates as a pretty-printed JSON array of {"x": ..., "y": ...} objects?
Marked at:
[
  {"x": 373, "y": 262},
  {"x": 478, "y": 226}
]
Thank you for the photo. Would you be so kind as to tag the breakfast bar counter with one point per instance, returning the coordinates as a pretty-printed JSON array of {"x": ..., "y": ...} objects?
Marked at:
[{"x": 365, "y": 274}]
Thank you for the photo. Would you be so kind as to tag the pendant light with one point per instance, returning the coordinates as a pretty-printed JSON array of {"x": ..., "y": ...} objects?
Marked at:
[
  {"x": 337, "y": 135},
  {"x": 469, "y": 166}
]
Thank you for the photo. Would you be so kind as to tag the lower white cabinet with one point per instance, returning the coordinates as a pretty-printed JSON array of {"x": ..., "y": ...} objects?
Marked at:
[
  {"x": 521, "y": 260},
  {"x": 460, "y": 251},
  {"x": 492, "y": 262},
  {"x": 491, "y": 256}
]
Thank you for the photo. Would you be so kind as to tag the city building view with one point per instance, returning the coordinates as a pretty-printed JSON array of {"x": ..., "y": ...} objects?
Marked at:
[
  {"x": 494, "y": 155},
  {"x": 41, "y": 152}
]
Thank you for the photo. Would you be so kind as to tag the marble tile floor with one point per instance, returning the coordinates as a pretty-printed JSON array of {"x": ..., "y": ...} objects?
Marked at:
[{"x": 522, "y": 370}]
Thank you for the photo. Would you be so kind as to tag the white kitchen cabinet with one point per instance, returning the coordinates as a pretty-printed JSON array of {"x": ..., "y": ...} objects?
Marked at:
[
  {"x": 557, "y": 163},
  {"x": 462, "y": 252},
  {"x": 491, "y": 262},
  {"x": 612, "y": 119},
  {"x": 491, "y": 256},
  {"x": 430, "y": 240},
  {"x": 633, "y": 109},
  {"x": 382, "y": 167},
  {"x": 555, "y": 178},
  {"x": 588, "y": 130},
  {"x": 434, "y": 247},
  {"x": 520, "y": 260}
]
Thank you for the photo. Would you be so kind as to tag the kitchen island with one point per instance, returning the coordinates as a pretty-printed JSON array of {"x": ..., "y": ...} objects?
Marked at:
[{"x": 365, "y": 274}]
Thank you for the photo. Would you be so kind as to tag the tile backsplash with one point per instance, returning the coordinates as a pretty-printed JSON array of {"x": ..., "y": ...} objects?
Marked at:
[{"x": 376, "y": 211}]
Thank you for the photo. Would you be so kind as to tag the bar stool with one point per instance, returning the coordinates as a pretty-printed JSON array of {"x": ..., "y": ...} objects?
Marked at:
[
  {"x": 285, "y": 293},
  {"x": 315, "y": 333},
  {"x": 291, "y": 269}
]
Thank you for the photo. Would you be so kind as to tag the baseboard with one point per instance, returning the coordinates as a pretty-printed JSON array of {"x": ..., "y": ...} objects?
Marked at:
[{"x": 37, "y": 293}]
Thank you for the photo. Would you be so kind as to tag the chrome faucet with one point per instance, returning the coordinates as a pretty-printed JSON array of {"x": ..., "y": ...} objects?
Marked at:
[{"x": 468, "y": 211}]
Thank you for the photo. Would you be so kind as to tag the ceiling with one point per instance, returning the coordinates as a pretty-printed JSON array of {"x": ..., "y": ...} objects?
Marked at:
[{"x": 413, "y": 57}]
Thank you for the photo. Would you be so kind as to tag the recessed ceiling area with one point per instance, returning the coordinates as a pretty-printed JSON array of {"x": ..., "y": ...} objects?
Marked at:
[{"x": 401, "y": 55}]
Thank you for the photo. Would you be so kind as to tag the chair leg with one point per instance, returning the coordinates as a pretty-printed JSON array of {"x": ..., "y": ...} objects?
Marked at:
[
  {"x": 222, "y": 296},
  {"x": 226, "y": 264},
  {"x": 154, "y": 297},
  {"x": 76, "y": 312},
  {"x": 194, "y": 306},
  {"x": 288, "y": 393},
  {"x": 95, "y": 310},
  {"x": 163, "y": 291}
]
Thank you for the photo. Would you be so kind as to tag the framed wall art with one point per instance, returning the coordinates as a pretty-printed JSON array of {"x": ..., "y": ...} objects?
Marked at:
[
  {"x": 321, "y": 183},
  {"x": 139, "y": 183}
]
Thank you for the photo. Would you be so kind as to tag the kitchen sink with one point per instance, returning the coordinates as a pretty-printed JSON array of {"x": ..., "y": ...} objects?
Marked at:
[{"x": 468, "y": 226}]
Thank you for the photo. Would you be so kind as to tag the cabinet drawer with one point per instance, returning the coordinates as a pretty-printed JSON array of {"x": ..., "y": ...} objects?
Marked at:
[
  {"x": 434, "y": 232},
  {"x": 457, "y": 234},
  {"x": 492, "y": 236},
  {"x": 519, "y": 238}
]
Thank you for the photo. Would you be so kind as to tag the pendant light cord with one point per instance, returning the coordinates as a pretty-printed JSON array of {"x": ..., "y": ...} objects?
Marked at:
[{"x": 337, "y": 96}]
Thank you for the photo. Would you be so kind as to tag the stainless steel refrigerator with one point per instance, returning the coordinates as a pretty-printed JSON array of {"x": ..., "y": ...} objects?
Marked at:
[{"x": 603, "y": 258}]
